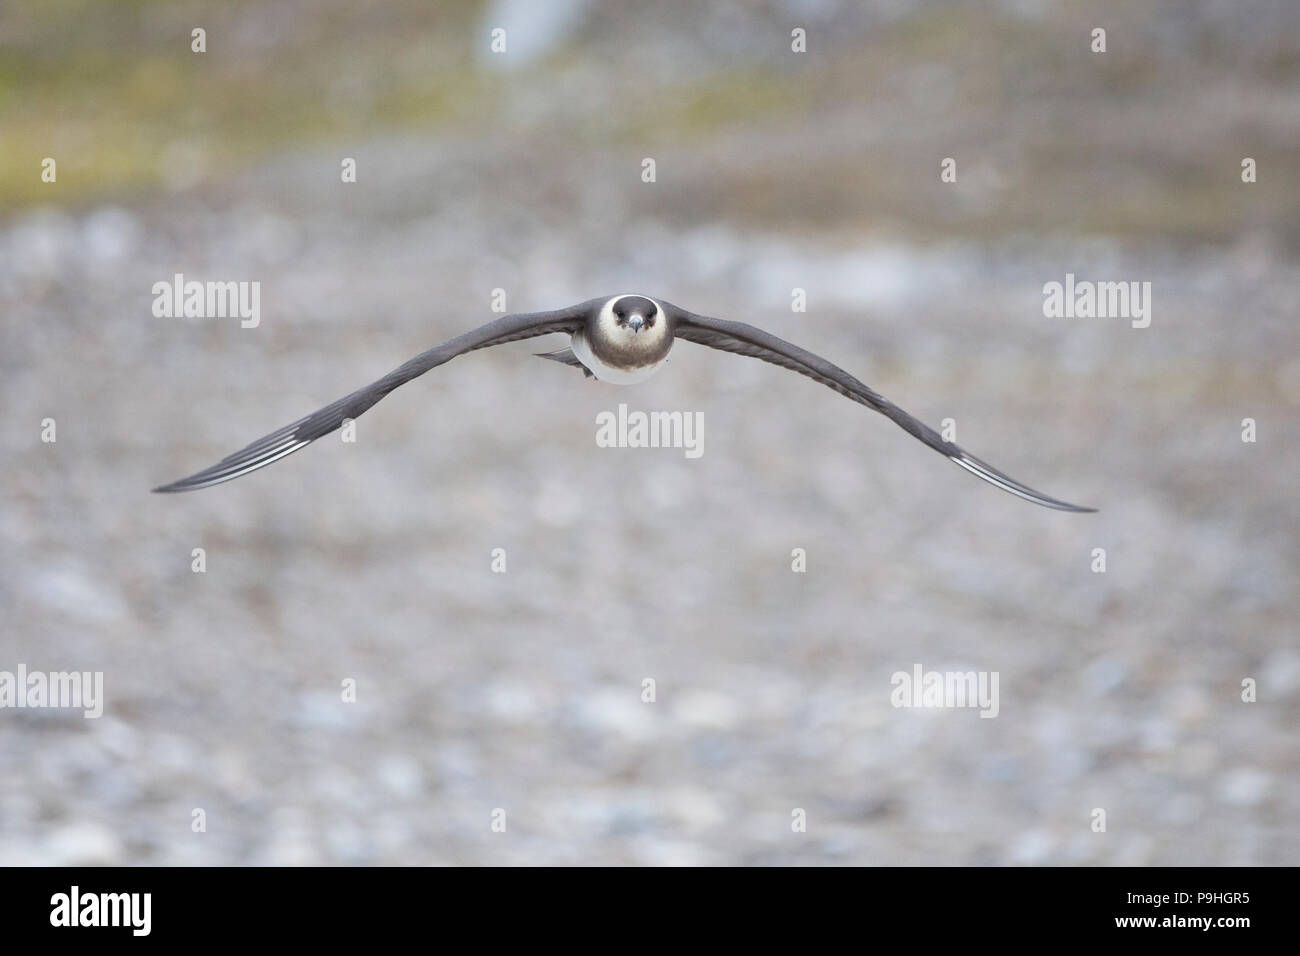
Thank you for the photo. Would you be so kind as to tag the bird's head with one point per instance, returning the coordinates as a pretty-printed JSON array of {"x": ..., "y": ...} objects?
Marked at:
[
  {"x": 633, "y": 320},
  {"x": 632, "y": 314}
]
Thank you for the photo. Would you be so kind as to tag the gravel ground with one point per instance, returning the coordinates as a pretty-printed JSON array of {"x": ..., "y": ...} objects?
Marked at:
[{"x": 523, "y": 691}]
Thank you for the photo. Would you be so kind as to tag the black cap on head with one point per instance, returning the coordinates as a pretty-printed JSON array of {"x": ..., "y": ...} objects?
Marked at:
[{"x": 628, "y": 304}]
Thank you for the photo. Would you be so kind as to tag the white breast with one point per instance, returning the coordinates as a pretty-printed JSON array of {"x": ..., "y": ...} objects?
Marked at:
[{"x": 615, "y": 376}]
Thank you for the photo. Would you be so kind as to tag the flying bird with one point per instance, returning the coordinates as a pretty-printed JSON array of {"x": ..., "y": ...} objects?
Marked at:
[{"x": 621, "y": 339}]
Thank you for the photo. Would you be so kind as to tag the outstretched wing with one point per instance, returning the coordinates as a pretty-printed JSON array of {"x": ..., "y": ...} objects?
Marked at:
[
  {"x": 290, "y": 438},
  {"x": 747, "y": 340}
]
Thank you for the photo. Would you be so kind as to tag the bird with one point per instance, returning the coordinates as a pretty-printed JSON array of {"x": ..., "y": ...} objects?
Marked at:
[{"x": 619, "y": 339}]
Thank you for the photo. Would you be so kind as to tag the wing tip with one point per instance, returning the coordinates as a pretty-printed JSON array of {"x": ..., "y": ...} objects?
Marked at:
[
  {"x": 173, "y": 487},
  {"x": 1076, "y": 509},
  {"x": 996, "y": 478},
  {"x": 233, "y": 467}
]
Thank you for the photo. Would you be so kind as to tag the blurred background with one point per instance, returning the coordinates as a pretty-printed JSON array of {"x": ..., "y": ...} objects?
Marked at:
[{"x": 775, "y": 170}]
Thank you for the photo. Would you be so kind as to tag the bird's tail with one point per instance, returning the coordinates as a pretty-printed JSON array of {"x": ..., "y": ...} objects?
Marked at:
[{"x": 565, "y": 357}]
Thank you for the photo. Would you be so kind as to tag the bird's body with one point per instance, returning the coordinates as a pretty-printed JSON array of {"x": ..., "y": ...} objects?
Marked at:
[
  {"x": 622, "y": 339},
  {"x": 614, "y": 351}
]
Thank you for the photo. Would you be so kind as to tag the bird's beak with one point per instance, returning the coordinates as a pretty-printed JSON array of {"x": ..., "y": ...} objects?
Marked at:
[{"x": 635, "y": 321}]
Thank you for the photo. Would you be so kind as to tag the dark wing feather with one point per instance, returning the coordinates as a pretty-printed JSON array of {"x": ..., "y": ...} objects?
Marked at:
[
  {"x": 289, "y": 439},
  {"x": 747, "y": 340}
]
